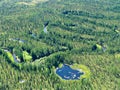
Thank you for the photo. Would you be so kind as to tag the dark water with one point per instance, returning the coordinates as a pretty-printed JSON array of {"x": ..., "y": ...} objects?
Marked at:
[{"x": 67, "y": 73}]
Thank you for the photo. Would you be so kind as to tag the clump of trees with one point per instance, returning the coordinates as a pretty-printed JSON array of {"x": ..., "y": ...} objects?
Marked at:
[
  {"x": 26, "y": 57},
  {"x": 83, "y": 13}
]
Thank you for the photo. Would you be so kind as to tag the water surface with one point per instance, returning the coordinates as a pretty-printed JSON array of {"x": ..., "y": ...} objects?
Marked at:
[{"x": 67, "y": 73}]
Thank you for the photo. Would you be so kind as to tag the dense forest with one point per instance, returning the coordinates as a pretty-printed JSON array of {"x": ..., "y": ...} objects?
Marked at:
[{"x": 38, "y": 36}]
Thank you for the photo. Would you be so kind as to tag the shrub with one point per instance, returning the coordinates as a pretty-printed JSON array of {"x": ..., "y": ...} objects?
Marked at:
[
  {"x": 10, "y": 57},
  {"x": 26, "y": 56},
  {"x": 117, "y": 56}
]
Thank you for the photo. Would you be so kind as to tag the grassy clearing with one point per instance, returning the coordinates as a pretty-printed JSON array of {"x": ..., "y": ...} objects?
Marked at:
[{"x": 84, "y": 69}]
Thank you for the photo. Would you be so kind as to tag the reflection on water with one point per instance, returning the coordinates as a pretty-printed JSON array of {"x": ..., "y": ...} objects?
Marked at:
[
  {"x": 67, "y": 73},
  {"x": 45, "y": 30}
]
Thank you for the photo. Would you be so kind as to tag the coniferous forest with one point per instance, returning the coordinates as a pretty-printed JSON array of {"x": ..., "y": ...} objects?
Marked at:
[{"x": 39, "y": 37}]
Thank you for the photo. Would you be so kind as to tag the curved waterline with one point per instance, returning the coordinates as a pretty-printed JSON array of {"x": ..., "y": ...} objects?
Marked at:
[{"x": 67, "y": 73}]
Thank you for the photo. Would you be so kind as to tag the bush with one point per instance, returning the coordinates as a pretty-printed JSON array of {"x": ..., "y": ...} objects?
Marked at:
[
  {"x": 10, "y": 57},
  {"x": 117, "y": 56},
  {"x": 26, "y": 56}
]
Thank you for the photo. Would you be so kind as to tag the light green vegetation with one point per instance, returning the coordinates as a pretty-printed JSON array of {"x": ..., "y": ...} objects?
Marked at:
[
  {"x": 118, "y": 31},
  {"x": 99, "y": 46},
  {"x": 26, "y": 56},
  {"x": 10, "y": 57},
  {"x": 84, "y": 69},
  {"x": 117, "y": 56}
]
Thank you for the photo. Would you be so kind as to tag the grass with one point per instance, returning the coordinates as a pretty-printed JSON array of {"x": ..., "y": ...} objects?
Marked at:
[
  {"x": 99, "y": 46},
  {"x": 117, "y": 56},
  {"x": 84, "y": 69},
  {"x": 26, "y": 56},
  {"x": 32, "y": 3},
  {"x": 10, "y": 56}
]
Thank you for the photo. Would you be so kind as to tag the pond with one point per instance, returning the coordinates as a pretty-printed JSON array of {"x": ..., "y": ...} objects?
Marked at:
[
  {"x": 45, "y": 30},
  {"x": 67, "y": 73}
]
